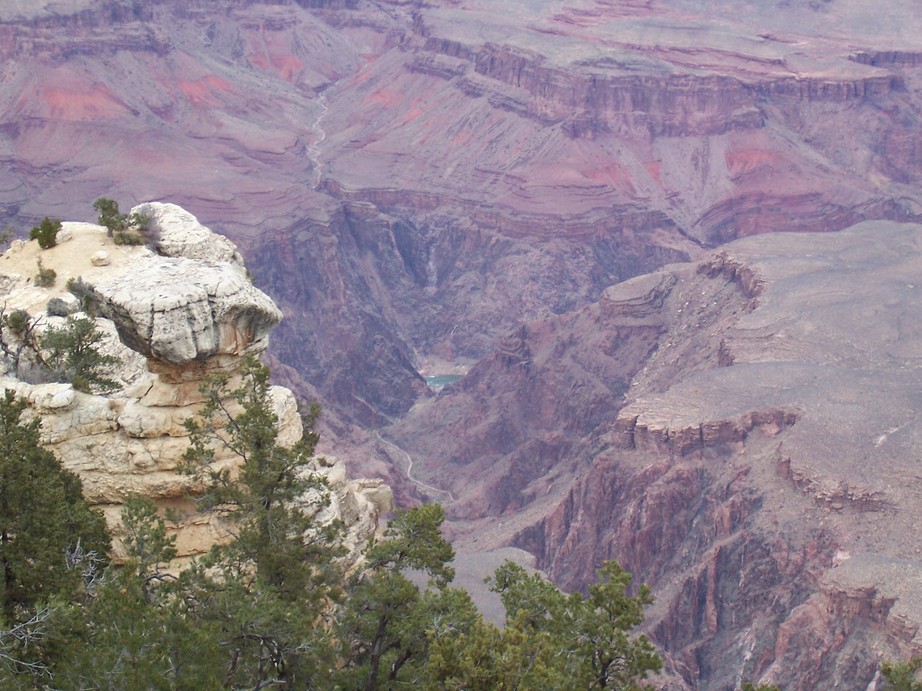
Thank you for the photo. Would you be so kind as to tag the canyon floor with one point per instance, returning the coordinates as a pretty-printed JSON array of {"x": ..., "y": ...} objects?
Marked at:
[{"x": 540, "y": 196}]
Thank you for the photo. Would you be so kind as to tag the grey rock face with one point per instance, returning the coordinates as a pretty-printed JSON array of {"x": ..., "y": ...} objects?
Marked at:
[
  {"x": 180, "y": 310},
  {"x": 179, "y": 234}
]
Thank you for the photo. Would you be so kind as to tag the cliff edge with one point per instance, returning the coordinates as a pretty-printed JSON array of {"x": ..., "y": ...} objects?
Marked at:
[{"x": 176, "y": 310}]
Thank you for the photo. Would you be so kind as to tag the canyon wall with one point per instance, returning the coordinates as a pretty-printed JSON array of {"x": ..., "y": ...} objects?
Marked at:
[
  {"x": 483, "y": 189},
  {"x": 377, "y": 160},
  {"x": 738, "y": 432}
]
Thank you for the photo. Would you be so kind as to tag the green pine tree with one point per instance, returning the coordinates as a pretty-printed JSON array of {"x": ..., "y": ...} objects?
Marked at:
[
  {"x": 46, "y": 233},
  {"x": 71, "y": 354},
  {"x": 579, "y": 641},
  {"x": 903, "y": 676},
  {"x": 118, "y": 225},
  {"x": 385, "y": 622},
  {"x": 134, "y": 630},
  {"x": 43, "y": 518},
  {"x": 269, "y": 589}
]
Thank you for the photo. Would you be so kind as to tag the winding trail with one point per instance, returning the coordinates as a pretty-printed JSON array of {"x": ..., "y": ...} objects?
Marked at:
[
  {"x": 429, "y": 489},
  {"x": 316, "y": 127}
]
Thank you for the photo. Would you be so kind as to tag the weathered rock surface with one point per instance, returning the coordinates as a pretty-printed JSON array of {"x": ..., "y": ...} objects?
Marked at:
[
  {"x": 178, "y": 233},
  {"x": 740, "y": 433},
  {"x": 179, "y": 319},
  {"x": 195, "y": 303}
]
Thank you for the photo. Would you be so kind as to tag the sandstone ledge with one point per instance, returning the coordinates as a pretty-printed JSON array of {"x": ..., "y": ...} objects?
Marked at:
[{"x": 172, "y": 321}]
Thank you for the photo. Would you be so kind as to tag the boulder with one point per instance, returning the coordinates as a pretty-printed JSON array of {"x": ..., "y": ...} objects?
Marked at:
[
  {"x": 178, "y": 233},
  {"x": 181, "y": 310}
]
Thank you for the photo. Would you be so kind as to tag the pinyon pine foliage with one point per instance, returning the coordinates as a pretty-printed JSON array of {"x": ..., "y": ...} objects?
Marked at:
[{"x": 272, "y": 607}]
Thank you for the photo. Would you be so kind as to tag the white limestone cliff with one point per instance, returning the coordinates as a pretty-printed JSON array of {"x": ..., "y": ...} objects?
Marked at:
[{"x": 174, "y": 316}]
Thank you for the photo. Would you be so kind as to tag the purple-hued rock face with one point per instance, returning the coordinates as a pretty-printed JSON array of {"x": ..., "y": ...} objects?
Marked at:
[
  {"x": 376, "y": 162},
  {"x": 739, "y": 432},
  {"x": 413, "y": 182}
]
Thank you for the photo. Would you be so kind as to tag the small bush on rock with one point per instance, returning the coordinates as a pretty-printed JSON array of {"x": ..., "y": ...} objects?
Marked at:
[
  {"x": 18, "y": 321},
  {"x": 71, "y": 354},
  {"x": 126, "y": 238},
  {"x": 59, "y": 308},
  {"x": 45, "y": 278},
  {"x": 18, "y": 343},
  {"x": 85, "y": 294},
  {"x": 124, "y": 229},
  {"x": 46, "y": 233}
]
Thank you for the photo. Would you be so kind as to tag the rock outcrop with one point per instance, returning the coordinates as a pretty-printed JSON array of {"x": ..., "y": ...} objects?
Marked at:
[{"x": 172, "y": 318}]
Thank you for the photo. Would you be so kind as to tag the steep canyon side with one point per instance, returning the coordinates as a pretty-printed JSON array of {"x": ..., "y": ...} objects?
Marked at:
[
  {"x": 420, "y": 178},
  {"x": 739, "y": 432},
  {"x": 492, "y": 189}
]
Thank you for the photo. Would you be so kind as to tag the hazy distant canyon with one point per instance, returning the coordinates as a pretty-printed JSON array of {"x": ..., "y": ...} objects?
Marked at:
[{"x": 461, "y": 187}]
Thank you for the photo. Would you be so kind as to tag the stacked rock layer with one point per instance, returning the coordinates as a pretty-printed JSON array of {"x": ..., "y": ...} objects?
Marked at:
[{"x": 177, "y": 311}]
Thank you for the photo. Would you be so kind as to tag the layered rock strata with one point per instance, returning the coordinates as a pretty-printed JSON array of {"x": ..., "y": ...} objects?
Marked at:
[
  {"x": 175, "y": 313},
  {"x": 740, "y": 432},
  {"x": 379, "y": 159}
]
